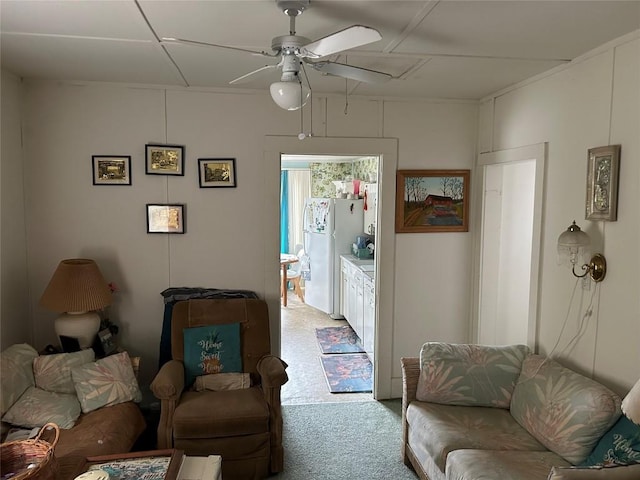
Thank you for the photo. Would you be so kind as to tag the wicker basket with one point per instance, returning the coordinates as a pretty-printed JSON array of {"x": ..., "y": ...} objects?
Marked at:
[{"x": 16, "y": 456}]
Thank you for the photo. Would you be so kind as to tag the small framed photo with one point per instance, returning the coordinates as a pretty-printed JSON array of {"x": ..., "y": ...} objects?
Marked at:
[
  {"x": 164, "y": 159},
  {"x": 165, "y": 218},
  {"x": 217, "y": 172},
  {"x": 104, "y": 344},
  {"x": 602, "y": 183},
  {"x": 111, "y": 169},
  {"x": 432, "y": 201}
]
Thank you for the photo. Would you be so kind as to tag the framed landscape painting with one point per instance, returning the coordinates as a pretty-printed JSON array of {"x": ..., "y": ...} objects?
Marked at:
[
  {"x": 111, "y": 169},
  {"x": 164, "y": 159},
  {"x": 217, "y": 172},
  {"x": 432, "y": 201}
]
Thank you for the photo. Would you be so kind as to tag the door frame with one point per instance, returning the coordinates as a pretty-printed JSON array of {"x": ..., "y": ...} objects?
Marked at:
[
  {"x": 387, "y": 151},
  {"x": 538, "y": 153}
]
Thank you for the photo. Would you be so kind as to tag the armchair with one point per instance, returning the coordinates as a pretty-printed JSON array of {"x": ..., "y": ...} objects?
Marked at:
[{"x": 244, "y": 426}]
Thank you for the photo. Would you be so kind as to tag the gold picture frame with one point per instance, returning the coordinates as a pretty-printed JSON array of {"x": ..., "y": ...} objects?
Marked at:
[
  {"x": 111, "y": 169},
  {"x": 164, "y": 159},
  {"x": 603, "y": 174},
  {"x": 432, "y": 201}
]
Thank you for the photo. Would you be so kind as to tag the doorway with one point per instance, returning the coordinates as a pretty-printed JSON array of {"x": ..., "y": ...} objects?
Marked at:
[
  {"x": 324, "y": 177},
  {"x": 387, "y": 151},
  {"x": 511, "y": 217}
]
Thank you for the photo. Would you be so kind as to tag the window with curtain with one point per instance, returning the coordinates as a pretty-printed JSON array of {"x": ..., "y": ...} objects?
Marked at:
[{"x": 298, "y": 188}]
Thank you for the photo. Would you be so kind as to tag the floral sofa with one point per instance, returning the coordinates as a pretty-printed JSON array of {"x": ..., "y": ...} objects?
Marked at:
[
  {"x": 91, "y": 401},
  {"x": 473, "y": 412}
]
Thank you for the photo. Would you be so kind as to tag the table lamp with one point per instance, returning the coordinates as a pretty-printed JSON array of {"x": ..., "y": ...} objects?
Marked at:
[{"x": 76, "y": 290}]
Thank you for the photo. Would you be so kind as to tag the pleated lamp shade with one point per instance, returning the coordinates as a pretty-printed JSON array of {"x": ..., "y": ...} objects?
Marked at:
[
  {"x": 76, "y": 289},
  {"x": 631, "y": 404}
]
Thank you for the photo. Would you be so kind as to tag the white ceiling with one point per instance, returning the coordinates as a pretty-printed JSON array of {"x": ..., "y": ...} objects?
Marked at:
[{"x": 433, "y": 49}]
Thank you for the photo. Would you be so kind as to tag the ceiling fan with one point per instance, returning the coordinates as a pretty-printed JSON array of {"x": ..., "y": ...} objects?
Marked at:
[{"x": 295, "y": 51}]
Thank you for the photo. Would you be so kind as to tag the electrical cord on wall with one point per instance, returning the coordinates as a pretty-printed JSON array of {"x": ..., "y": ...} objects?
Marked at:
[{"x": 582, "y": 328}]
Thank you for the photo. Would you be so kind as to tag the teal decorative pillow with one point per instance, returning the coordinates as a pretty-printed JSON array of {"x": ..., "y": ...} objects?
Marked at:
[
  {"x": 617, "y": 472},
  {"x": 108, "y": 381},
  {"x": 16, "y": 373},
  {"x": 53, "y": 372},
  {"x": 211, "y": 349},
  {"x": 471, "y": 375},
  {"x": 37, "y": 407},
  {"x": 565, "y": 411},
  {"x": 620, "y": 445}
]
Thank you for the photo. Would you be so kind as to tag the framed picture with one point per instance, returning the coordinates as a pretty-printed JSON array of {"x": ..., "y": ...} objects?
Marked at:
[
  {"x": 151, "y": 464},
  {"x": 111, "y": 169},
  {"x": 165, "y": 218},
  {"x": 602, "y": 183},
  {"x": 164, "y": 159},
  {"x": 217, "y": 172},
  {"x": 104, "y": 343},
  {"x": 432, "y": 201}
]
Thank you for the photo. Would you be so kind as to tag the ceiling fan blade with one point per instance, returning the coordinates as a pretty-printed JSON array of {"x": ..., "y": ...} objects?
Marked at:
[
  {"x": 205, "y": 44},
  {"x": 354, "y": 73},
  {"x": 351, "y": 37},
  {"x": 250, "y": 74}
]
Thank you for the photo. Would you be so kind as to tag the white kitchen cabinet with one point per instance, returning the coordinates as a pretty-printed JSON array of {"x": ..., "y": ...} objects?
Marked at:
[
  {"x": 357, "y": 299},
  {"x": 369, "y": 315}
]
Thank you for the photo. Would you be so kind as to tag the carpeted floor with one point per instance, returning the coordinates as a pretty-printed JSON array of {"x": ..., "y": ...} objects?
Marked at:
[{"x": 344, "y": 441}]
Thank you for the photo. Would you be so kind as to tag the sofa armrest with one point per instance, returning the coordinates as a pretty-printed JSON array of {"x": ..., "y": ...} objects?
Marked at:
[
  {"x": 410, "y": 375},
  {"x": 167, "y": 387},
  {"x": 273, "y": 376}
]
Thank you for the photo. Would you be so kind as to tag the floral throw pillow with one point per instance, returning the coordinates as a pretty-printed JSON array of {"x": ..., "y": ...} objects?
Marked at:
[
  {"x": 36, "y": 407},
  {"x": 108, "y": 381},
  {"x": 470, "y": 375},
  {"x": 16, "y": 373},
  {"x": 53, "y": 372}
]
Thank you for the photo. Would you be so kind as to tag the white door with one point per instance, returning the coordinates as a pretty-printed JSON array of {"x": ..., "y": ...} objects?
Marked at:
[{"x": 510, "y": 246}]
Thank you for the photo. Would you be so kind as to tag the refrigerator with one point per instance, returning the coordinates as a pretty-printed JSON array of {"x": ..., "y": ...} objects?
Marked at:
[{"x": 330, "y": 228}]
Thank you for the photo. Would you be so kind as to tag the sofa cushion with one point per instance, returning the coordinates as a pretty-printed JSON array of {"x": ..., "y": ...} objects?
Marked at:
[
  {"x": 222, "y": 381},
  {"x": 105, "y": 431},
  {"x": 16, "y": 373},
  {"x": 53, "y": 372},
  {"x": 472, "y": 375},
  {"x": 620, "y": 445},
  {"x": 567, "y": 412},
  {"x": 435, "y": 430},
  {"x": 36, "y": 407},
  {"x": 502, "y": 465},
  {"x": 611, "y": 472},
  {"x": 108, "y": 381}
]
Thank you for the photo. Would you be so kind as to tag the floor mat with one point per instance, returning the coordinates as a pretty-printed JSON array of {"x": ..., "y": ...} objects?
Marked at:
[
  {"x": 338, "y": 340},
  {"x": 348, "y": 373}
]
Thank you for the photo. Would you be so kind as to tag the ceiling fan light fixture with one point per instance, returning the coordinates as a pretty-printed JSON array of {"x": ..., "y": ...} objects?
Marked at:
[{"x": 290, "y": 95}]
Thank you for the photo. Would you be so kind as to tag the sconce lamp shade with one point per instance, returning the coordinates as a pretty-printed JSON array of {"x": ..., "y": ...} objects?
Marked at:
[
  {"x": 76, "y": 289},
  {"x": 572, "y": 244},
  {"x": 289, "y": 95},
  {"x": 631, "y": 404}
]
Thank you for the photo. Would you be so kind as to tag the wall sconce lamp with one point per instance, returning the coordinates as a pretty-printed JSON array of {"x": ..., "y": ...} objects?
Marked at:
[
  {"x": 573, "y": 245},
  {"x": 76, "y": 290}
]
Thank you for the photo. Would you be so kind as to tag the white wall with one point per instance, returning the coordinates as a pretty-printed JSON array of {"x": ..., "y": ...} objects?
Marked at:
[
  {"x": 14, "y": 313},
  {"x": 67, "y": 216},
  {"x": 593, "y": 102}
]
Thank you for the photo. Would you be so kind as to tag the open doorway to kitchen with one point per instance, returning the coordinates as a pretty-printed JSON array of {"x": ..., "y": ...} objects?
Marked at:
[
  {"x": 386, "y": 370},
  {"x": 328, "y": 215}
]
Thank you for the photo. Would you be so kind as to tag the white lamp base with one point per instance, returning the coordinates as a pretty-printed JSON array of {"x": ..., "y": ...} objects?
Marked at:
[{"x": 81, "y": 325}]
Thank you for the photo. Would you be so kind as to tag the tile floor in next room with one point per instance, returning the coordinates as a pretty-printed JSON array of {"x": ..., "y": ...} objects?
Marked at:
[{"x": 300, "y": 349}]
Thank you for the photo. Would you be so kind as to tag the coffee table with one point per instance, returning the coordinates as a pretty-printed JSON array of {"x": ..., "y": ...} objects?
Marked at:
[{"x": 193, "y": 468}]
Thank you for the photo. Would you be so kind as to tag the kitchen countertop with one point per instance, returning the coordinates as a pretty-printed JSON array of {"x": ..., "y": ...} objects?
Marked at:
[{"x": 367, "y": 263}]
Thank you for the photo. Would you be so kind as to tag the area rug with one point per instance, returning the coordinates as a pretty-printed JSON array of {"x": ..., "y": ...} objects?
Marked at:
[
  {"x": 338, "y": 340},
  {"x": 349, "y": 373}
]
